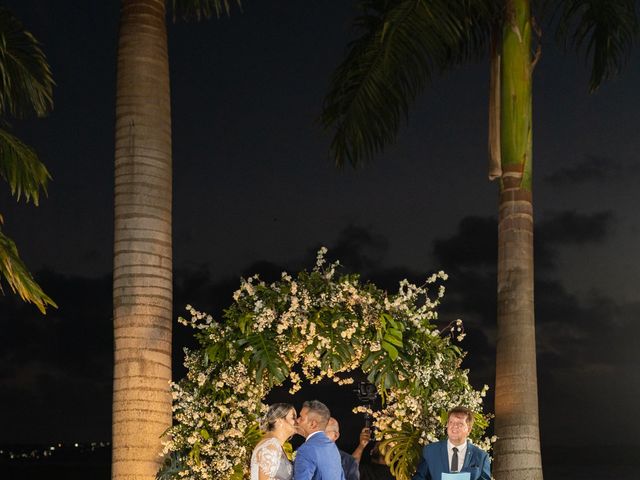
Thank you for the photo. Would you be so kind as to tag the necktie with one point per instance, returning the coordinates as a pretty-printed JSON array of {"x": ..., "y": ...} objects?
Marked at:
[{"x": 454, "y": 460}]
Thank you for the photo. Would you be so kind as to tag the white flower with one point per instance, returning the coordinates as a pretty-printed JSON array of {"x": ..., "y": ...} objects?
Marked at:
[{"x": 218, "y": 405}]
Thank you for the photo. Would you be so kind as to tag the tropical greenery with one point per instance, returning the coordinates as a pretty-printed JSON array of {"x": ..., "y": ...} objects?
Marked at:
[
  {"x": 26, "y": 86},
  {"x": 401, "y": 46},
  {"x": 320, "y": 324}
]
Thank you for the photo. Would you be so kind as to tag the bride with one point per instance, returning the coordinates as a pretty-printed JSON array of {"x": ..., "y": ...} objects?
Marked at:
[{"x": 268, "y": 460}]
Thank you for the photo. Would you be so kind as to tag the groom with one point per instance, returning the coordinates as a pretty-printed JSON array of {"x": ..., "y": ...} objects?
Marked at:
[{"x": 318, "y": 457}]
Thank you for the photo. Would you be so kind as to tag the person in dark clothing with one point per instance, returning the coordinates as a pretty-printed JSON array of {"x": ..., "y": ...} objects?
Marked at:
[
  {"x": 349, "y": 464},
  {"x": 377, "y": 468}
]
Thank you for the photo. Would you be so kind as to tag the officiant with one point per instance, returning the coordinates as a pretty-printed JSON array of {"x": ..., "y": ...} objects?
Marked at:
[{"x": 456, "y": 453}]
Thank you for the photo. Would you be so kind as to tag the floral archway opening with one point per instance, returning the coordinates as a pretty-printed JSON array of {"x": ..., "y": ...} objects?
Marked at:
[{"x": 328, "y": 324}]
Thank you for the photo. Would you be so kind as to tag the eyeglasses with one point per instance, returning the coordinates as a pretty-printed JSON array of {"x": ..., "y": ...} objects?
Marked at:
[{"x": 457, "y": 424}]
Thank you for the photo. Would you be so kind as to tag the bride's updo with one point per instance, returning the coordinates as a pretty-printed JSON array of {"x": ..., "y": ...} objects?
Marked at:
[{"x": 275, "y": 412}]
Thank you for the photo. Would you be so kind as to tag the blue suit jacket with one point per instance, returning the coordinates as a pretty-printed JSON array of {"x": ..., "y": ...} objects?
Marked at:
[
  {"x": 435, "y": 461},
  {"x": 318, "y": 459}
]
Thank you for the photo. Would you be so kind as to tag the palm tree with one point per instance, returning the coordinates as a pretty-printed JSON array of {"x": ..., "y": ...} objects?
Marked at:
[
  {"x": 26, "y": 87},
  {"x": 405, "y": 42},
  {"x": 142, "y": 269}
]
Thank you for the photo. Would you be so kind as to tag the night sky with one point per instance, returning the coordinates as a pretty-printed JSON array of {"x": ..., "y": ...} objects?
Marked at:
[{"x": 256, "y": 192}]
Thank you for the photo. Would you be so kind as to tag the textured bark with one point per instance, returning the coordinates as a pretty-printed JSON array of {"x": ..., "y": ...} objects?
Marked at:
[
  {"x": 142, "y": 275},
  {"x": 517, "y": 452}
]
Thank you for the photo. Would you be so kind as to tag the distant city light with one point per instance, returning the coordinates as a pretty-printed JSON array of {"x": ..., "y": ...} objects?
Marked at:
[{"x": 50, "y": 451}]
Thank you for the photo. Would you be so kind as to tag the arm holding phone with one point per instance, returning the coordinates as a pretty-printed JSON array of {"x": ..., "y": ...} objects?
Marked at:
[{"x": 365, "y": 438}]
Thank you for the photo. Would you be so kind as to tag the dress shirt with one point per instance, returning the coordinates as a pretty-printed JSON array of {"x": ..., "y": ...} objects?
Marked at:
[{"x": 462, "y": 451}]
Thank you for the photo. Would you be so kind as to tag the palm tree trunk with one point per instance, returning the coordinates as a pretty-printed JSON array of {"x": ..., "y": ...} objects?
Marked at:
[
  {"x": 142, "y": 275},
  {"x": 517, "y": 452}
]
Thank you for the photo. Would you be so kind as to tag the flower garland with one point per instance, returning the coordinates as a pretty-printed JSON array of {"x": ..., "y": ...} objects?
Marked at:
[{"x": 327, "y": 325}]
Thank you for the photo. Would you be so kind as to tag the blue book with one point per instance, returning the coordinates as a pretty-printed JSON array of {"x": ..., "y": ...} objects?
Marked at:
[{"x": 456, "y": 476}]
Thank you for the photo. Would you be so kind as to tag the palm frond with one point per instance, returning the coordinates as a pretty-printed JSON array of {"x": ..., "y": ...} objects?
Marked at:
[
  {"x": 199, "y": 9},
  {"x": 604, "y": 30},
  {"x": 402, "y": 45},
  {"x": 20, "y": 167},
  {"x": 26, "y": 83},
  {"x": 18, "y": 277}
]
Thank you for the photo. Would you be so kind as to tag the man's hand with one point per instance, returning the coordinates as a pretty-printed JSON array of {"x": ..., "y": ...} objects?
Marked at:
[{"x": 365, "y": 438}]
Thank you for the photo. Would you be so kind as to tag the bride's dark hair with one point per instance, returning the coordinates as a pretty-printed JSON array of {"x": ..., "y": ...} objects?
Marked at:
[{"x": 275, "y": 412}]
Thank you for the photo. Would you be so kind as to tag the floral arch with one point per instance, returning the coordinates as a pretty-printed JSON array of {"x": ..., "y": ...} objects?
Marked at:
[{"x": 326, "y": 325}]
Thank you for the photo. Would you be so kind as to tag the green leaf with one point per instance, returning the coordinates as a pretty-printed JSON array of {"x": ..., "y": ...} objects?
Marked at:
[
  {"x": 370, "y": 359},
  {"x": 212, "y": 352},
  {"x": 390, "y": 379},
  {"x": 394, "y": 336},
  {"x": 265, "y": 357},
  {"x": 238, "y": 472},
  {"x": 402, "y": 451},
  {"x": 26, "y": 83},
  {"x": 18, "y": 277},
  {"x": 195, "y": 453},
  {"x": 20, "y": 167},
  {"x": 390, "y": 349},
  {"x": 402, "y": 45},
  {"x": 388, "y": 318},
  {"x": 243, "y": 322},
  {"x": 603, "y": 30}
]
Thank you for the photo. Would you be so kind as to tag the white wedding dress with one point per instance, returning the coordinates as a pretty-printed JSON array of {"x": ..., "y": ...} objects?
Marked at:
[{"x": 270, "y": 458}]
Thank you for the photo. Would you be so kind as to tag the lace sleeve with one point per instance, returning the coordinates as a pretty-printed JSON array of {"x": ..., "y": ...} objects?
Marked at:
[{"x": 268, "y": 458}]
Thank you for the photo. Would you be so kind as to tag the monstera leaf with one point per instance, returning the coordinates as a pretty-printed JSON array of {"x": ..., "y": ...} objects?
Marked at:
[
  {"x": 264, "y": 357},
  {"x": 401, "y": 451}
]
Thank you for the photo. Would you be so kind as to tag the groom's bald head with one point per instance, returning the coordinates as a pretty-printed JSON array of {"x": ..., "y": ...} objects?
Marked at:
[{"x": 332, "y": 430}]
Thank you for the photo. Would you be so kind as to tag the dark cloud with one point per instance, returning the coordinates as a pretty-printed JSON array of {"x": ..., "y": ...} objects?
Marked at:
[
  {"x": 571, "y": 227},
  {"x": 472, "y": 284},
  {"x": 474, "y": 244},
  {"x": 582, "y": 344},
  {"x": 568, "y": 228},
  {"x": 199, "y": 288},
  {"x": 576, "y": 329},
  {"x": 586, "y": 363},
  {"x": 359, "y": 248},
  {"x": 55, "y": 371},
  {"x": 592, "y": 169}
]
